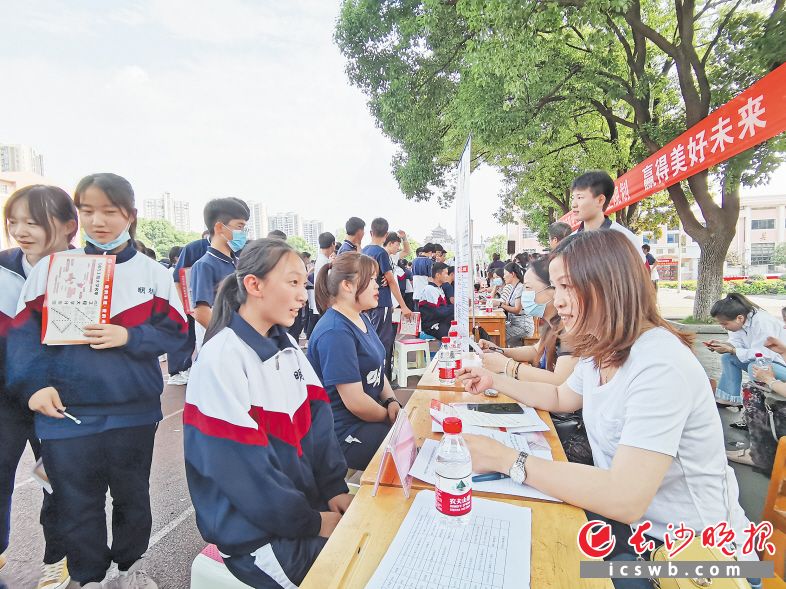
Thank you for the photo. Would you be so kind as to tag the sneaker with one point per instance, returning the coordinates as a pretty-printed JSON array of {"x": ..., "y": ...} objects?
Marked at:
[
  {"x": 742, "y": 456},
  {"x": 178, "y": 379},
  {"x": 133, "y": 578},
  {"x": 54, "y": 576}
]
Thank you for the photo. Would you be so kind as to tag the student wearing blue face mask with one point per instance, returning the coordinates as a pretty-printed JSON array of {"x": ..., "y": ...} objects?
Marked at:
[{"x": 226, "y": 220}]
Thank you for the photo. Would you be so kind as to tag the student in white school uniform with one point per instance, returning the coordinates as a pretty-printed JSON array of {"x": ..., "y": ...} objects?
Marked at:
[
  {"x": 591, "y": 194},
  {"x": 113, "y": 385},
  {"x": 654, "y": 430},
  {"x": 264, "y": 468},
  {"x": 42, "y": 220}
]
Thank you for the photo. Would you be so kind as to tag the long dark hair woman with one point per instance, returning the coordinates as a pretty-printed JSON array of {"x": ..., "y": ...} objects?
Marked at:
[{"x": 264, "y": 468}]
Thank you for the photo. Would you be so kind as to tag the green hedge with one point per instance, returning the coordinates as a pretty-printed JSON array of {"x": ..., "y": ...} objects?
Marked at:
[{"x": 746, "y": 287}]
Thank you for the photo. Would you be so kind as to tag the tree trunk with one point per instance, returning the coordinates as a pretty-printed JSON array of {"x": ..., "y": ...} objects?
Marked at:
[{"x": 710, "y": 278}]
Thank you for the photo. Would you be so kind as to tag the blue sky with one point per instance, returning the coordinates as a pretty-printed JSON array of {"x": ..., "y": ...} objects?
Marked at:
[{"x": 204, "y": 99}]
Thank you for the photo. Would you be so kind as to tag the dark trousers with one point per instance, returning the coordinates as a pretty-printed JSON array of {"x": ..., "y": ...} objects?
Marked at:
[
  {"x": 436, "y": 329},
  {"x": 180, "y": 359},
  {"x": 81, "y": 470},
  {"x": 371, "y": 435},
  {"x": 16, "y": 430},
  {"x": 313, "y": 319},
  {"x": 295, "y": 556},
  {"x": 382, "y": 320}
]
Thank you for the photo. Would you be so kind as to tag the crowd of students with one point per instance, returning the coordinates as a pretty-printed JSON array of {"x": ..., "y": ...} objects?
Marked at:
[{"x": 270, "y": 431}]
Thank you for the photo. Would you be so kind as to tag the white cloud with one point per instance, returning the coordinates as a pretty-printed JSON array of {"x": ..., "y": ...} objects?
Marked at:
[{"x": 212, "y": 99}]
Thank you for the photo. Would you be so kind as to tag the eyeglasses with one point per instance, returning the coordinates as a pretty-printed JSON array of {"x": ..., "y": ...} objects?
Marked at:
[{"x": 245, "y": 229}]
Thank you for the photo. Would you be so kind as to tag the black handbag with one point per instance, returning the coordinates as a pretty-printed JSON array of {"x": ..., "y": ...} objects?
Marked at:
[{"x": 573, "y": 436}]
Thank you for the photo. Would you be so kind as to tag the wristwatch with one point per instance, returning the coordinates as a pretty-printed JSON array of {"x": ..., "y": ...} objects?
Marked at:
[
  {"x": 518, "y": 471},
  {"x": 387, "y": 402}
]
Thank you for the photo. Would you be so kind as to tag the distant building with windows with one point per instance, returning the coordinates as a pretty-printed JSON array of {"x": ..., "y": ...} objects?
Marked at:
[
  {"x": 258, "y": 223},
  {"x": 311, "y": 231},
  {"x": 20, "y": 158},
  {"x": 522, "y": 238},
  {"x": 760, "y": 227},
  {"x": 288, "y": 222},
  {"x": 169, "y": 209}
]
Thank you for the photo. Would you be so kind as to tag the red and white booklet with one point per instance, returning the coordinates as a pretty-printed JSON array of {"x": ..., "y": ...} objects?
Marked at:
[
  {"x": 78, "y": 293},
  {"x": 409, "y": 325},
  {"x": 185, "y": 290}
]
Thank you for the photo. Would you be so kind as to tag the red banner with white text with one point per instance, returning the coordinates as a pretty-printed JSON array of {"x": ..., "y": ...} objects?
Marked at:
[{"x": 751, "y": 118}]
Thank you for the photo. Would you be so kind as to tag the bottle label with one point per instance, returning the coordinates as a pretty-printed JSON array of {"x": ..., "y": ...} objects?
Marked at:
[
  {"x": 458, "y": 363},
  {"x": 453, "y": 496},
  {"x": 447, "y": 372}
]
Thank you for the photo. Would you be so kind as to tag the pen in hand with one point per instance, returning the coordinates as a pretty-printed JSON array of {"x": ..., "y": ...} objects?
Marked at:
[{"x": 69, "y": 416}]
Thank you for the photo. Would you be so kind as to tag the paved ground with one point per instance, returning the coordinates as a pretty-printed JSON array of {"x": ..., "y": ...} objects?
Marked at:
[
  {"x": 678, "y": 305},
  {"x": 175, "y": 540}
]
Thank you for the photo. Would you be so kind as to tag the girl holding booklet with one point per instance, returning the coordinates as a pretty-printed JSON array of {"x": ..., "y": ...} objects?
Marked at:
[
  {"x": 649, "y": 411},
  {"x": 42, "y": 220},
  {"x": 264, "y": 468},
  {"x": 110, "y": 387}
]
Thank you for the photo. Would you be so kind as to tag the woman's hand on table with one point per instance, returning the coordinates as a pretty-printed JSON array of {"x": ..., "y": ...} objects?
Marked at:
[
  {"x": 495, "y": 362},
  {"x": 485, "y": 344},
  {"x": 475, "y": 379},
  {"x": 340, "y": 503},
  {"x": 489, "y": 455}
]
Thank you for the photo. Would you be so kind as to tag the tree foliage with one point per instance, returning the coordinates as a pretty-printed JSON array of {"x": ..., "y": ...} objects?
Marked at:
[
  {"x": 161, "y": 235},
  {"x": 301, "y": 245},
  {"x": 497, "y": 245},
  {"x": 549, "y": 88}
]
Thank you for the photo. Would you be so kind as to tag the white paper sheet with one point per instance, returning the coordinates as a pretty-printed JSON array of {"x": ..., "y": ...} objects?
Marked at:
[
  {"x": 425, "y": 463},
  {"x": 492, "y": 552},
  {"x": 529, "y": 418}
]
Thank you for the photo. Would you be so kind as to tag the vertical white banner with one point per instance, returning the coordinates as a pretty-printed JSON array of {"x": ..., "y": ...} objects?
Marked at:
[{"x": 464, "y": 270}]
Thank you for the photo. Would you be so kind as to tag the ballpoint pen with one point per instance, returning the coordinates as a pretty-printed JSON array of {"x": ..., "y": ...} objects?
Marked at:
[{"x": 492, "y": 476}]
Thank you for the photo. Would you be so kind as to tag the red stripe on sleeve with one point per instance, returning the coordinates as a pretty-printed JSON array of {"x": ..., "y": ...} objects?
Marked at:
[{"x": 218, "y": 428}]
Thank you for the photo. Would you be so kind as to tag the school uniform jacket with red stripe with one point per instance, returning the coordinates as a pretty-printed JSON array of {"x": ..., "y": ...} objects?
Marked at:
[
  {"x": 261, "y": 457},
  {"x": 117, "y": 381},
  {"x": 12, "y": 279}
]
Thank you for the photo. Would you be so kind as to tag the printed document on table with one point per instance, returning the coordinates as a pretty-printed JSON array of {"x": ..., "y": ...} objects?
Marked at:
[
  {"x": 493, "y": 550},
  {"x": 529, "y": 418},
  {"x": 425, "y": 464},
  {"x": 78, "y": 293}
]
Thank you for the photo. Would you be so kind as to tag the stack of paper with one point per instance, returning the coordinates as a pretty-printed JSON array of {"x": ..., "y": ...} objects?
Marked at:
[{"x": 493, "y": 550}]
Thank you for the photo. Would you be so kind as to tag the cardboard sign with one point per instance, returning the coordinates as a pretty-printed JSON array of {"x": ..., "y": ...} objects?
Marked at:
[
  {"x": 409, "y": 325},
  {"x": 402, "y": 449}
]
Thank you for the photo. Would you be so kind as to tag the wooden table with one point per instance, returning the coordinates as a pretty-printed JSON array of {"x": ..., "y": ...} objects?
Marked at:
[
  {"x": 493, "y": 323},
  {"x": 363, "y": 536},
  {"x": 417, "y": 409}
]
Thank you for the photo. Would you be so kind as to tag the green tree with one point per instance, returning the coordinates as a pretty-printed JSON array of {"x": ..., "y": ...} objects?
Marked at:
[
  {"x": 779, "y": 255},
  {"x": 550, "y": 87},
  {"x": 497, "y": 245},
  {"x": 413, "y": 245},
  {"x": 161, "y": 235},
  {"x": 301, "y": 245}
]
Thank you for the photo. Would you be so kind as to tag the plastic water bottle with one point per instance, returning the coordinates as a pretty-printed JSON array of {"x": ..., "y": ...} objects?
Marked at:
[
  {"x": 762, "y": 364},
  {"x": 489, "y": 305},
  {"x": 446, "y": 363},
  {"x": 453, "y": 468},
  {"x": 455, "y": 343}
]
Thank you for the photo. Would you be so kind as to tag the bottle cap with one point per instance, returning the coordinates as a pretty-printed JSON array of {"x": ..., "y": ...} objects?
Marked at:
[
  {"x": 451, "y": 425},
  {"x": 454, "y": 322},
  {"x": 759, "y": 355},
  {"x": 445, "y": 340}
]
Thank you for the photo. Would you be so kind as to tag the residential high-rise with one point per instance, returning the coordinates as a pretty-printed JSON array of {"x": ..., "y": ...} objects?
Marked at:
[
  {"x": 258, "y": 223},
  {"x": 288, "y": 222},
  {"x": 175, "y": 211},
  {"x": 311, "y": 231},
  {"x": 20, "y": 158}
]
